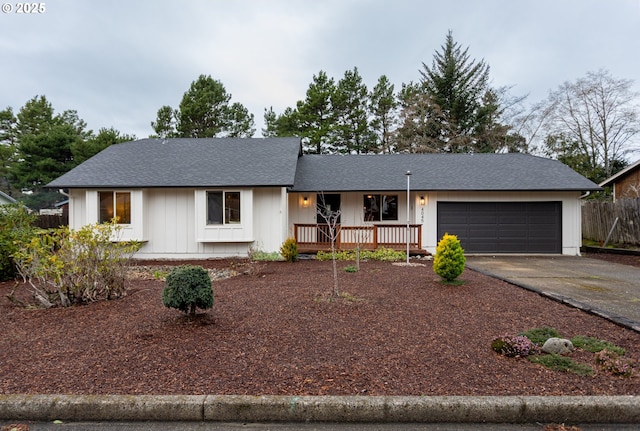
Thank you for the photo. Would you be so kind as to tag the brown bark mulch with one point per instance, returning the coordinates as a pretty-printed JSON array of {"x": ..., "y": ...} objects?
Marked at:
[{"x": 274, "y": 330}]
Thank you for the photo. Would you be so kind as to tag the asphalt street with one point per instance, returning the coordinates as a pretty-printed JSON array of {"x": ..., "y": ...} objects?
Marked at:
[{"x": 225, "y": 426}]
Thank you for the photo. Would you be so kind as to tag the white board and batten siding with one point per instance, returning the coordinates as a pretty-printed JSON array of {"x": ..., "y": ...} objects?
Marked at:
[{"x": 171, "y": 222}]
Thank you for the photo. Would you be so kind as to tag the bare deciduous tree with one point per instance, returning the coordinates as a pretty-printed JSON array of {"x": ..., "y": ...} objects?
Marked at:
[
  {"x": 599, "y": 114},
  {"x": 330, "y": 218}
]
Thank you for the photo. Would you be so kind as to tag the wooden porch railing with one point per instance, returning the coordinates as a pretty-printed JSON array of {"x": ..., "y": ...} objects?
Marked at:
[{"x": 314, "y": 237}]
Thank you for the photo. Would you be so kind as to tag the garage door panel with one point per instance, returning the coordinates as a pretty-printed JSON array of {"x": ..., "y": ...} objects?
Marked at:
[
  {"x": 503, "y": 227},
  {"x": 482, "y": 218},
  {"x": 479, "y": 246},
  {"x": 483, "y": 232}
]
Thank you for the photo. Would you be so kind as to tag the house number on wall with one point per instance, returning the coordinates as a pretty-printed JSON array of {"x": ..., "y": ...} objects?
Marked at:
[{"x": 421, "y": 215}]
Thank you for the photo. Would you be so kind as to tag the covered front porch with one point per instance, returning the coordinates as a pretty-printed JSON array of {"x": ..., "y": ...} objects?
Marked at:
[{"x": 312, "y": 238}]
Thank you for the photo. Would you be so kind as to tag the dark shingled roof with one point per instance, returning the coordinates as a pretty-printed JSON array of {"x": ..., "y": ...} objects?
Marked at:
[
  {"x": 215, "y": 162},
  {"x": 256, "y": 162},
  {"x": 445, "y": 172}
]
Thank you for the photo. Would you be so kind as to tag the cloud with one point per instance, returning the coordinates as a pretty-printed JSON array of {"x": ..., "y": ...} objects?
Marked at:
[{"x": 117, "y": 62}]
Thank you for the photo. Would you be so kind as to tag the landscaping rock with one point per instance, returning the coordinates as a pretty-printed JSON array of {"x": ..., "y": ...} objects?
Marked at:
[{"x": 560, "y": 346}]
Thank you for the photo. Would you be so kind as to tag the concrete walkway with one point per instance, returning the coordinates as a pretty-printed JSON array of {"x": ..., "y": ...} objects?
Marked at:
[{"x": 602, "y": 288}]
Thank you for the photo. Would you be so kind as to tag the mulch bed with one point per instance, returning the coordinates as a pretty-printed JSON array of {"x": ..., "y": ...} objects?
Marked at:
[{"x": 275, "y": 329}]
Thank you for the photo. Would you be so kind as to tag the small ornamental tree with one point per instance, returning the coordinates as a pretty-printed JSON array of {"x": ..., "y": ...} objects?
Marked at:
[
  {"x": 188, "y": 287},
  {"x": 449, "y": 260}
]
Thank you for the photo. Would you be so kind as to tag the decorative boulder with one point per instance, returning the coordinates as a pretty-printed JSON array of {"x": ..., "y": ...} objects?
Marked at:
[{"x": 559, "y": 346}]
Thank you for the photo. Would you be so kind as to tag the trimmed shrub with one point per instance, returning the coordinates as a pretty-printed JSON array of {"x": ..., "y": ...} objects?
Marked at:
[
  {"x": 289, "y": 250},
  {"x": 188, "y": 287},
  {"x": 449, "y": 260}
]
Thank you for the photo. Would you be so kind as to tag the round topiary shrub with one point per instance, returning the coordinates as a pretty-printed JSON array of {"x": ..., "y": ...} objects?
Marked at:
[
  {"x": 449, "y": 260},
  {"x": 188, "y": 287}
]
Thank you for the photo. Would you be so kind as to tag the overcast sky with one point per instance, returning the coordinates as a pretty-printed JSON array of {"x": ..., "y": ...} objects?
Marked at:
[{"x": 117, "y": 61}]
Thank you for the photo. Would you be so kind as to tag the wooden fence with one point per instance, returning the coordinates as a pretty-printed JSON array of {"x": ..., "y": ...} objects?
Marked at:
[
  {"x": 47, "y": 221},
  {"x": 599, "y": 218}
]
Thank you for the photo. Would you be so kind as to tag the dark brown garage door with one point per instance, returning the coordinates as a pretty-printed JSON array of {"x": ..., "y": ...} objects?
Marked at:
[{"x": 503, "y": 227}]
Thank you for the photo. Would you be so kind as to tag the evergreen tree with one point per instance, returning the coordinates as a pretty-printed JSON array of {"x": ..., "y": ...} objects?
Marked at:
[
  {"x": 45, "y": 156},
  {"x": 204, "y": 112},
  {"x": 240, "y": 122},
  {"x": 8, "y": 132},
  {"x": 35, "y": 117},
  {"x": 351, "y": 132},
  {"x": 7, "y": 148},
  {"x": 270, "y": 129},
  {"x": 314, "y": 115},
  {"x": 165, "y": 124},
  {"x": 84, "y": 149},
  {"x": 44, "y": 143},
  {"x": 421, "y": 122},
  {"x": 282, "y": 125},
  {"x": 462, "y": 111},
  {"x": 383, "y": 106}
]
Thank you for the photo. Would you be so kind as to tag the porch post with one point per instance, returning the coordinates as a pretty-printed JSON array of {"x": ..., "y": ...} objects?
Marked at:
[{"x": 408, "y": 174}]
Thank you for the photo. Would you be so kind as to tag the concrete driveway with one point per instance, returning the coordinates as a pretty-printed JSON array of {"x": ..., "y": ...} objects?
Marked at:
[{"x": 598, "y": 287}]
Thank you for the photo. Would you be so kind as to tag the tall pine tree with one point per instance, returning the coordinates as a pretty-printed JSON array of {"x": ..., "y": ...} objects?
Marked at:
[
  {"x": 351, "y": 132},
  {"x": 461, "y": 111},
  {"x": 314, "y": 115},
  {"x": 383, "y": 106}
]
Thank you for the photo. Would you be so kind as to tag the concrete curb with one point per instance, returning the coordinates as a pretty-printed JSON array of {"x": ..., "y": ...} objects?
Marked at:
[{"x": 242, "y": 408}]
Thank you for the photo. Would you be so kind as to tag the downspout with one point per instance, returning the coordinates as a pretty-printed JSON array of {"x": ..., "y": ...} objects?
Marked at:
[{"x": 587, "y": 193}]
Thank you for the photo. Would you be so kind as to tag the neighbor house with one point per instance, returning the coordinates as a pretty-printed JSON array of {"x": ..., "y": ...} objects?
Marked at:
[
  {"x": 202, "y": 198},
  {"x": 5, "y": 199},
  {"x": 626, "y": 183}
]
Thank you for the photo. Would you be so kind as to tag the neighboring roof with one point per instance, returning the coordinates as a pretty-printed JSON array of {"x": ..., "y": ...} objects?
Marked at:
[
  {"x": 5, "y": 198},
  {"x": 214, "y": 162},
  {"x": 623, "y": 173},
  {"x": 446, "y": 172}
]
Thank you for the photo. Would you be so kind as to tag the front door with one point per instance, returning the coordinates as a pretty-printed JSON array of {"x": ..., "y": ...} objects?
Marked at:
[{"x": 327, "y": 216}]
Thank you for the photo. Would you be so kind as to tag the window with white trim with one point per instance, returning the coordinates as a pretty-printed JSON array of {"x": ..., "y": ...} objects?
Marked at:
[
  {"x": 380, "y": 207},
  {"x": 223, "y": 207},
  {"x": 114, "y": 205}
]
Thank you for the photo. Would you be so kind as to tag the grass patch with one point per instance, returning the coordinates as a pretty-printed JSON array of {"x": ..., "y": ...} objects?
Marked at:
[
  {"x": 349, "y": 297},
  {"x": 263, "y": 256},
  {"x": 562, "y": 363},
  {"x": 456, "y": 282},
  {"x": 595, "y": 345},
  {"x": 540, "y": 335},
  {"x": 350, "y": 268}
]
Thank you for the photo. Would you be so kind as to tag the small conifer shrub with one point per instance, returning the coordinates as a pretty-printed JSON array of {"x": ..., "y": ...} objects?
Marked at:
[
  {"x": 449, "y": 260},
  {"x": 188, "y": 287},
  {"x": 289, "y": 250}
]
